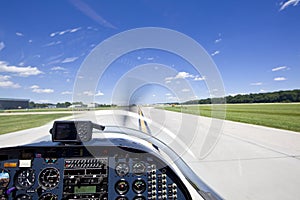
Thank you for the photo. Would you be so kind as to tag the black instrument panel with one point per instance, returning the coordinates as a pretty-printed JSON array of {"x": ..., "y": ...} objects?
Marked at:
[{"x": 81, "y": 172}]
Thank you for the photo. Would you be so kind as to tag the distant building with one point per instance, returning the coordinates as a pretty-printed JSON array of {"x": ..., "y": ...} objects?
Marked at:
[
  {"x": 76, "y": 106},
  {"x": 7, "y": 103},
  {"x": 51, "y": 106},
  {"x": 92, "y": 105}
]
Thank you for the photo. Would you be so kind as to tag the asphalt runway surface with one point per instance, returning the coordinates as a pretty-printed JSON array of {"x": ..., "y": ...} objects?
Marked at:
[{"x": 239, "y": 161}]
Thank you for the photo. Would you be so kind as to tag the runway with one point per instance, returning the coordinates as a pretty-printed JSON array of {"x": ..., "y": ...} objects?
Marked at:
[{"x": 239, "y": 161}]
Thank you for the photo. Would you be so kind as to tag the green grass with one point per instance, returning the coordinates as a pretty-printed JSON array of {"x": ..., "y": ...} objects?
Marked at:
[
  {"x": 11, "y": 123},
  {"x": 281, "y": 115}
]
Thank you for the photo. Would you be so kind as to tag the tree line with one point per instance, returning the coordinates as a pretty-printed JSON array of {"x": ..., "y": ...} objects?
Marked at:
[
  {"x": 66, "y": 104},
  {"x": 287, "y": 96}
]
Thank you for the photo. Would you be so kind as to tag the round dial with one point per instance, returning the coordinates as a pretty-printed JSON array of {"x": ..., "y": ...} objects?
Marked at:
[
  {"x": 25, "y": 178},
  {"x": 122, "y": 187},
  {"x": 139, "y": 186},
  {"x": 23, "y": 197},
  {"x": 139, "y": 168},
  {"x": 122, "y": 169},
  {"x": 48, "y": 196},
  {"x": 49, "y": 178}
]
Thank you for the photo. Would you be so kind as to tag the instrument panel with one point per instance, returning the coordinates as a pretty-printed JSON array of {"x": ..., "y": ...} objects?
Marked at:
[{"x": 86, "y": 173}]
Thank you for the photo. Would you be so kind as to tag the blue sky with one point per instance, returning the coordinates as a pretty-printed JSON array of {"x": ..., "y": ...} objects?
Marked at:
[{"x": 255, "y": 45}]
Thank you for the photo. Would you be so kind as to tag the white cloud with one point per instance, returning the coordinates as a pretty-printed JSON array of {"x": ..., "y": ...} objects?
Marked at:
[
  {"x": 68, "y": 80},
  {"x": 183, "y": 75},
  {"x": 67, "y": 93},
  {"x": 99, "y": 93},
  {"x": 218, "y": 40},
  {"x": 91, "y": 93},
  {"x": 9, "y": 84},
  {"x": 279, "y": 79},
  {"x": 2, "y": 46},
  {"x": 288, "y": 3},
  {"x": 88, "y": 93},
  {"x": 168, "y": 94},
  {"x": 75, "y": 30},
  {"x": 6, "y": 83},
  {"x": 199, "y": 78},
  {"x": 57, "y": 68},
  {"x": 19, "y": 34},
  {"x": 4, "y": 78},
  {"x": 52, "y": 43},
  {"x": 64, "y": 32},
  {"x": 185, "y": 90},
  {"x": 68, "y": 60},
  {"x": 37, "y": 89},
  {"x": 256, "y": 84},
  {"x": 20, "y": 71},
  {"x": 279, "y": 68},
  {"x": 150, "y": 58},
  {"x": 215, "y": 53},
  {"x": 43, "y": 90}
]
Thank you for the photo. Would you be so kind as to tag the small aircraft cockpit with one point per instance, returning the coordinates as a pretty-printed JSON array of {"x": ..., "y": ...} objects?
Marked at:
[{"x": 88, "y": 161}]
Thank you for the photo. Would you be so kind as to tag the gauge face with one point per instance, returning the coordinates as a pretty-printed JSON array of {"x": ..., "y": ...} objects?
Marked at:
[
  {"x": 122, "y": 169},
  {"x": 4, "y": 178},
  {"x": 139, "y": 186},
  {"x": 48, "y": 196},
  {"x": 139, "y": 168},
  {"x": 122, "y": 187},
  {"x": 49, "y": 178},
  {"x": 23, "y": 197},
  {"x": 25, "y": 178}
]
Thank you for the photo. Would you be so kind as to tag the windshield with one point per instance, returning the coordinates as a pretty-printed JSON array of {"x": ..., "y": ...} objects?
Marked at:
[{"x": 215, "y": 81}]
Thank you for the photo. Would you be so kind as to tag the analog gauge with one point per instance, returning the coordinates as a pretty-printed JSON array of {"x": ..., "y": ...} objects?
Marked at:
[
  {"x": 23, "y": 197},
  {"x": 25, "y": 178},
  {"x": 48, "y": 196},
  {"x": 139, "y": 186},
  {"x": 122, "y": 187},
  {"x": 49, "y": 178},
  {"x": 139, "y": 168},
  {"x": 122, "y": 169},
  {"x": 4, "y": 178}
]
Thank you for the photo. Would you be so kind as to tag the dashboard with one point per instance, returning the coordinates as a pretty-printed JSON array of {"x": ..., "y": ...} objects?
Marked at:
[{"x": 107, "y": 171}]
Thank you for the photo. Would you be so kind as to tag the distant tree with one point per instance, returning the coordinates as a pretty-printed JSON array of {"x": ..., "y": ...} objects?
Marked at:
[
  {"x": 31, "y": 104},
  {"x": 67, "y": 104},
  {"x": 269, "y": 97}
]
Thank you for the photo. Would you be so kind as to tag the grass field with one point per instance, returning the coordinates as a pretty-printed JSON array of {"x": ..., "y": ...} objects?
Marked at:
[
  {"x": 281, "y": 115},
  {"x": 13, "y": 123}
]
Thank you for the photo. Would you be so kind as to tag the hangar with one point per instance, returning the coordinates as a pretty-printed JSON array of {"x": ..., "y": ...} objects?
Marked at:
[{"x": 7, "y": 103}]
